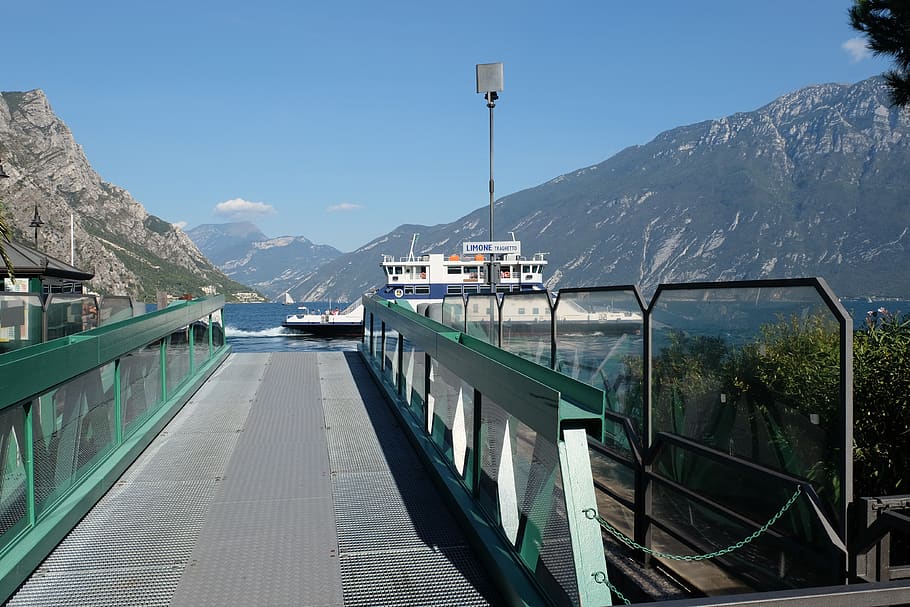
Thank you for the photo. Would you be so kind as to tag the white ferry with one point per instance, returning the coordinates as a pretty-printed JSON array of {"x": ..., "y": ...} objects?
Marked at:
[{"x": 428, "y": 278}]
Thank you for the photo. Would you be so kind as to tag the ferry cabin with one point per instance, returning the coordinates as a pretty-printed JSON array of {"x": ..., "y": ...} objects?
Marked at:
[{"x": 433, "y": 276}]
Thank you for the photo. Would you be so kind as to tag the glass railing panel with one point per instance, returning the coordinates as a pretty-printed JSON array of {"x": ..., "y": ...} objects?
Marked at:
[
  {"x": 114, "y": 308},
  {"x": 68, "y": 314},
  {"x": 177, "y": 357},
  {"x": 413, "y": 368},
  {"x": 217, "y": 329},
  {"x": 453, "y": 312},
  {"x": 614, "y": 486},
  {"x": 140, "y": 385},
  {"x": 599, "y": 341},
  {"x": 73, "y": 428},
  {"x": 200, "y": 330},
  {"x": 527, "y": 326},
  {"x": 482, "y": 317},
  {"x": 390, "y": 356},
  {"x": 20, "y": 320},
  {"x": 451, "y": 419},
  {"x": 521, "y": 488},
  {"x": 754, "y": 372},
  {"x": 13, "y": 490}
]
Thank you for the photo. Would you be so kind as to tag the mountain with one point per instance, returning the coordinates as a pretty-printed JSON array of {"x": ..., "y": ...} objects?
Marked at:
[
  {"x": 270, "y": 265},
  {"x": 130, "y": 251},
  {"x": 812, "y": 184}
]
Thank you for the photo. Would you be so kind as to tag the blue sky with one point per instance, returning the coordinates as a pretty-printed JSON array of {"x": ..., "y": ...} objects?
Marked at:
[{"x": 340, "y": 121}]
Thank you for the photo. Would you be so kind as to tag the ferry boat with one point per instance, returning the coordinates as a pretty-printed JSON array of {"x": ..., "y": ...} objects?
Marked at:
[
  {"x": 428, "y": 278},
  {"x": 328, "y": 323}
]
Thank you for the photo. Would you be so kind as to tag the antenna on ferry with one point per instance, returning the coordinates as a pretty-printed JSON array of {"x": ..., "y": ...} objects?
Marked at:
[
  {"x": 413, "y": 241},
  {"x": 513, "y": 236}
]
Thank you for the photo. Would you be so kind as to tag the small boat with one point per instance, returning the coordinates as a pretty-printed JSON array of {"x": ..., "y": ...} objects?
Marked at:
[
  {"x": 481, "y": 267},
  {"x": 286, "y": 299},
  {"x": 328, "y": 323}
]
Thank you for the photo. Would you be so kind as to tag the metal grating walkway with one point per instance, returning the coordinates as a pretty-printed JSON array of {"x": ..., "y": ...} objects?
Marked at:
[{"x": 284, "y": 481}]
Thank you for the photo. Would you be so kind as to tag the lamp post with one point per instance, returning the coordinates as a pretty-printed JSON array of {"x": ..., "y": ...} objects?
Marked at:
[
  {"x": 489, "y": 82},
  {"x": 36, "y": 223}
]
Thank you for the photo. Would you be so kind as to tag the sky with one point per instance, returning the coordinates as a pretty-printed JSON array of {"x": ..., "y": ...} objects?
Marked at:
[{"x": 340, "y": 121}]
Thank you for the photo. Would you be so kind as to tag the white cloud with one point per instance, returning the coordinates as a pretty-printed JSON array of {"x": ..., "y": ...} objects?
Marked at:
[
  {"x": 238, "y": 208},
  {"x": 180, "y": 224},
  {"x": 343, "y": 207},
  {"x": 857, "y": 49}
]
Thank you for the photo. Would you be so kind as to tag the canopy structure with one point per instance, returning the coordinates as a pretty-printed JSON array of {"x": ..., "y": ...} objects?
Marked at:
[{"x": 32, "y": 263}]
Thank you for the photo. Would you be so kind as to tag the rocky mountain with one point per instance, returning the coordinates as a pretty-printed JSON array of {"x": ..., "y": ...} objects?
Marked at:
[
  {"x": 812, "y": 184},
  {"x": 130, "y": 251},
  {"x": 270, "y": 265}
]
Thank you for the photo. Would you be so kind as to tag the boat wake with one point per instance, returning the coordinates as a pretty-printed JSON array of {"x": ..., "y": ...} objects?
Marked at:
[{"x": 230, "y": 331}]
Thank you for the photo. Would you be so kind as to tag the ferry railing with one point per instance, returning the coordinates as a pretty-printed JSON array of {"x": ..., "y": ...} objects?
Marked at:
[
  {"x": 30, "y": 318},
  {"x": 508, "y": 441},
  {"x": 76, "y": 411}
]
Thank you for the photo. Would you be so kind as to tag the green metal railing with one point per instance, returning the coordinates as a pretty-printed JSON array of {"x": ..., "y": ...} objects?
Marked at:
[
  {"x": 509, "y": 440},
  {"x": 76, "y": 411}
]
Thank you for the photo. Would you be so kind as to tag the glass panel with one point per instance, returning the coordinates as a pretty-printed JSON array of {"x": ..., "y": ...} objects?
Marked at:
[
  {"x": 114, "y": 308},
  {"x": 521, "y": 487},
  {"x": 217, "y": 329},
  {"x": 482, "y": 318},
  {"x": 20, "y": 320},
  {"x": 412, "y": 368},
  {"x": 200, "y": 341},
  {"x": 755, "y": 373},
  {"x": 70, "y": 314},
  {"x": 12, "y": 473},
  {"x": 614, "y": 479},
  {"x": 390, "y": 364},
  {"x": 526, "y": 326},
  {"x": 73, "y": 428},
  {"x": 177, "y": 353},
  {"x": 451, "y": 419},
  {"x": 599, "y": 342},
  {"x": 140, "y": 385},
  {"x": 453, "y": 312}
]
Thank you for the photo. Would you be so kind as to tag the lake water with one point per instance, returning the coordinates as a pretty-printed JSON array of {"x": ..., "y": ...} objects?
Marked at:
[{"x": 256, "y": 327}]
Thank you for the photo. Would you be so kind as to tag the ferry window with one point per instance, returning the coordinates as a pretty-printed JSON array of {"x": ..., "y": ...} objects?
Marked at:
[
  {"x": 422, "y": 270},
  {"x": 453, "y": 290},
  {"x": 522, "y": 311},
  {"x": 454, "y": 269},
  {"x": 424, "y": 290},
  {"x": 470, "y": 289},
  {"x": 525, "y": 269},
  {"x": 396, "y": 269},
  {"x": 504, "y": 289},
  {"x": 535, "y": 311},
  {"x": 409, "y": 290}
]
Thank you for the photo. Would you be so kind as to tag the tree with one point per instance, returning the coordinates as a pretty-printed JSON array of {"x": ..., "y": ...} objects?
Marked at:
[
  {"x": 886, "y": 24},
  {"x": 6, "y": 234}
]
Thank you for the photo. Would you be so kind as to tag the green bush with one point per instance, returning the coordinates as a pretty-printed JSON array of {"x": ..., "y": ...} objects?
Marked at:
[{"x": 881, "y": 405}]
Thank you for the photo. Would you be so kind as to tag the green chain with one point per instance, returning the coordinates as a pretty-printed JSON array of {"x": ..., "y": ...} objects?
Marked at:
[
  {"x": 601, "y": 578},
  {"x": 591, "y": 513}
]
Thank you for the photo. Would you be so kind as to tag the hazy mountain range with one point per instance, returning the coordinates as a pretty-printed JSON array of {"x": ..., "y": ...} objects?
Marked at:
[
  {"x": 270, "y": 265},
  {"x": 812, "y": 184}
]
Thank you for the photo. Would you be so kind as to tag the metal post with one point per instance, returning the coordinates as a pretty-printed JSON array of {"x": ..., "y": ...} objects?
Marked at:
[{"x": 491, "y": 103}]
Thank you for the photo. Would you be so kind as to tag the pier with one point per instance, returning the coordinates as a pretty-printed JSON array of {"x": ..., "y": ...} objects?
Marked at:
[{"x": 451, "y": 461}]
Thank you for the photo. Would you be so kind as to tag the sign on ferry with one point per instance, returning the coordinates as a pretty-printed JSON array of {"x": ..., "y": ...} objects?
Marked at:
[{"x": 501, "y": 247}]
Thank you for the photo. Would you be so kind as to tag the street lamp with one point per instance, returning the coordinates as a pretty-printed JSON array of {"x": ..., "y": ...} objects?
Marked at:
[
  {"x": 36, "y": 223},
  {"x": 489, "y": 82}
]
